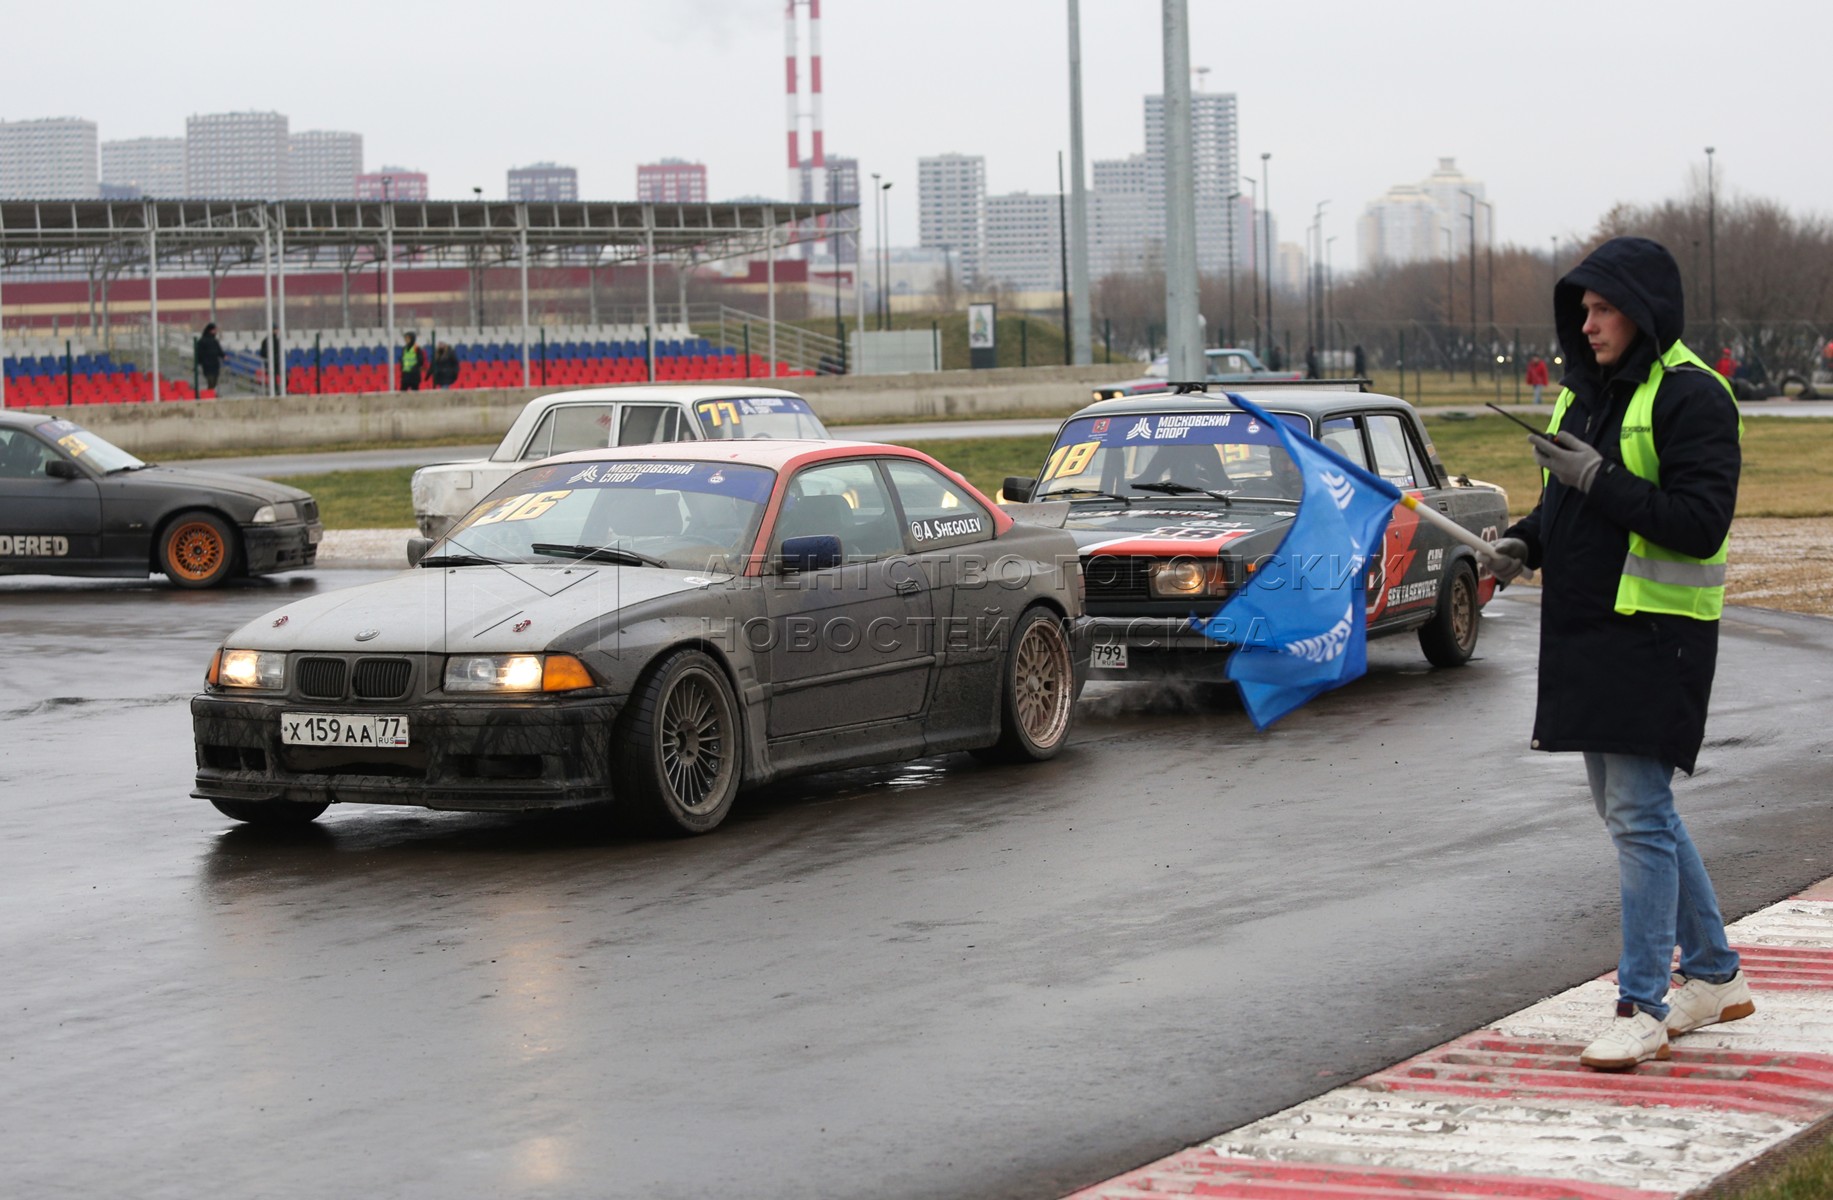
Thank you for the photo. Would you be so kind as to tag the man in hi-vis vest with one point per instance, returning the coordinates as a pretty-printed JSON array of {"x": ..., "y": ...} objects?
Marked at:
[{"x": 1631, "y": 530}]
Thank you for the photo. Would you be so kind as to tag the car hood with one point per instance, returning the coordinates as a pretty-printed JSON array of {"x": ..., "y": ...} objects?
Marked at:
[
  {"x": 262, "y": 491},
  {"x": 462, "y": 609},
  {"x": 1171, "y": 528}
]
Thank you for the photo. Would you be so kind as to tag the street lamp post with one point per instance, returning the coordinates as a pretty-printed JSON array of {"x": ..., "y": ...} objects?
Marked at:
[
  {"x": 1450, "y": 303},
  {"x": 1489, "y": 265},
  {"x": 884, "y": 293},
  {"x": 1266, "y": 194},
  {"x": 477, "y": 272},
  {"x": 1234, "y": 202},
  {"x": 1315, "y": 318},
  {"x": 1471, "y": 216},
  {"x": 1253, "y": 241},
  {"x": 1712, "y": 241},
  {"x": 878, "y": 251},
  {"x": 1329, "y": 315}
]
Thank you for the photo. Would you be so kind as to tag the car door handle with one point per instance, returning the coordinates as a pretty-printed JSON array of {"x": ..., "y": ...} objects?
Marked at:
[
  {"x": 907, "y": 587},
  {"x": 1444, "y": 506}
]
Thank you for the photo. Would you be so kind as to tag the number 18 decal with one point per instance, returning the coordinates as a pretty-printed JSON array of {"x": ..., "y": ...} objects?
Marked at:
[{"x": 1070, "y": 460}]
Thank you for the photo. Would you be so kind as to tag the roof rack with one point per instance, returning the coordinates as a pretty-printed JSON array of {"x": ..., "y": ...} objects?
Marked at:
[{"x": 1199, "y": 387}]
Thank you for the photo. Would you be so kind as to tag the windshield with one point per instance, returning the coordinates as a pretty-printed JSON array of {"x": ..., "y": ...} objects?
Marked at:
[
  {"x": 689, "y": 516},
  {"x": 1227, "y": 455},
  {"x": 88, "y": 449},
  {"x": 759, "y": 417}
]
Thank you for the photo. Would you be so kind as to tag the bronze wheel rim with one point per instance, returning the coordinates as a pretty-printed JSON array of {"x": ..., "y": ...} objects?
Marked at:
[
  {"x": 1042, "y": 692},
  {"x": 694, "y": 740},
  {"x": 197, "y": 550},
  {"x": 1464, "y": 612}
]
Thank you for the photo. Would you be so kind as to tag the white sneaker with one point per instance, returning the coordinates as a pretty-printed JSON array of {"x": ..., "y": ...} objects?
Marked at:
[
  {"x": 1695, "y": 1003},
  {"x": 1628, "y": 1041}
]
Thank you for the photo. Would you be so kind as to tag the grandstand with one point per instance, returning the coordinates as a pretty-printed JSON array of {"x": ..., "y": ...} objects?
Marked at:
[
  {"x": 71, "y": 372},
  {"x": 491, "y": 356},
  {"x": 196, "y": 244},
  {"x": 344, "y": 361}
]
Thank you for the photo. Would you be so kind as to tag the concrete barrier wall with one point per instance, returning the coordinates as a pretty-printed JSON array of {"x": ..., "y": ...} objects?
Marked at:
[{"x": 191, "y": 426}]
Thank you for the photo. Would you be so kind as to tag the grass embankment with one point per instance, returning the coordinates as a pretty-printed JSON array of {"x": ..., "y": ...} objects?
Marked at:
[
  {"x": 1433, "y": 389},
  {"x": 1802, "y": 1171},
  {"x": 1783, "y": 471}
]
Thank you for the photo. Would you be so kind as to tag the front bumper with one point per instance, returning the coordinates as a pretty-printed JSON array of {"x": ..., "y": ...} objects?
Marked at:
[
  {"x": 1157, "y": 648},
  {"x": 474, "y": 757},
  {"x": 272, "y": 548}
]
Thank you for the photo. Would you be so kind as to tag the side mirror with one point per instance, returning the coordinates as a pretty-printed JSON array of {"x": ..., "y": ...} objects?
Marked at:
[
  {"x": 1017, "y": 488},
  {"x": 62, "y": 468},
  {"x": 815, "y": 552},
  {"x": 417, "y": 548}
]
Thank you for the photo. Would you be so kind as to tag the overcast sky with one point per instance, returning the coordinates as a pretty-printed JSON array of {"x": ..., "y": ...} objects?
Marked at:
[{"x": 1562, "y": 108}]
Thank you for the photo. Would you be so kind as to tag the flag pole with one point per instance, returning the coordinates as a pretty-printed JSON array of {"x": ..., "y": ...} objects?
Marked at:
[{"x": 1433, "y": 517}]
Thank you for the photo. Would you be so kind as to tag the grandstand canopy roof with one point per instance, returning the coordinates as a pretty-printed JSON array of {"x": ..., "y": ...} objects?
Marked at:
[{"x": 72, "y": 236}]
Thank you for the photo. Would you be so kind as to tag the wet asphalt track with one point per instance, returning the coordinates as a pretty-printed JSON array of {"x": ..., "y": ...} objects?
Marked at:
[{"x": 939, "y": 980}]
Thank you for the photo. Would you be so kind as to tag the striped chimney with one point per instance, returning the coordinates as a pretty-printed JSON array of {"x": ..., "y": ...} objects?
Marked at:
[{"x": 793, "y": 111}]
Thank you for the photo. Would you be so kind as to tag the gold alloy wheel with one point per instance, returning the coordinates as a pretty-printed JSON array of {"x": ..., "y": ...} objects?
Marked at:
[
  {"x": 196, "y": 550},
  {"x": 694, "y": 736},
  {"x": 1464, "y": 610},
  {"x": 1043, "y": 692}
]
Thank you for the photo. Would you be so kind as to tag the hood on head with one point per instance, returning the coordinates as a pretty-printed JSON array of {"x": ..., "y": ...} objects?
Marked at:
[{"x": 1637, "y": 275}]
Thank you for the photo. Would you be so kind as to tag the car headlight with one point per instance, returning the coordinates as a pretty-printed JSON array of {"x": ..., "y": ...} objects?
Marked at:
[
  {"x": 516, "y": 673},
  {"x": 256, "y": 670},
  {"x": 1186, "y": 577}
]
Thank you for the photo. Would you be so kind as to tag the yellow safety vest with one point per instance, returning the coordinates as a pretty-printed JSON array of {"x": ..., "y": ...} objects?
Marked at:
[{"x": 1656, "y": 579}]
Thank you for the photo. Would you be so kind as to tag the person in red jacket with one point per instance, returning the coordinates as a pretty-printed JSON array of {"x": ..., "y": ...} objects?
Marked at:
[
  {"x": 1537, "y": 375},
  {"x": 1726, "y": 364}
]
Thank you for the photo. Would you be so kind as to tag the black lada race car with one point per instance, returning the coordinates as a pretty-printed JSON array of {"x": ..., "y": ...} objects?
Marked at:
[
  {"x": 73, "y": 504},
  {"x": 1175, "y": 498}
]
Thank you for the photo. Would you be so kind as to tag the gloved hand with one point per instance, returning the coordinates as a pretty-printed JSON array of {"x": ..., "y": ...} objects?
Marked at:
[
  {"x": 1571, "y": 461},
  {"x": 1510, "y": 558}
]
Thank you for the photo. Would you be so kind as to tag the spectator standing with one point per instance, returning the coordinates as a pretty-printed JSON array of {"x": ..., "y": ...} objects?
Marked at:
[
  {"x": 1361, "y": 360},
  {"x": 1633, "y": 527},
  {"x": 1727, "y": 363},
  {"x": 412, "y": 360},
  {"x": 445, "y": 365},
  {"x": 1536, "y": 375},
  {"x": 271, "y": 353},
  {"x": 207, "y": 352},
  {"x": 1311, "y": 363}
]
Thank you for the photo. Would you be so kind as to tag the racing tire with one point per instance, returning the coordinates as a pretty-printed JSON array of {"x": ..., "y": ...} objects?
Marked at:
[
  {"x": 198, "y": 550},
  {"x": 271, "y": 814},
  {"x": 679, "y": 750},
  {"x": 1037, "y": 692},
  {"x": 1802, "y": 389},
  {"x": 1450, "y": 637}
]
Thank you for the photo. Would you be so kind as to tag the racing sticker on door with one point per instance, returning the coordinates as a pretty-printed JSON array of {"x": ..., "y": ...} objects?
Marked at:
[
  {"x": 33, "y": 546},
  {"x": 1388, "y": 587}
]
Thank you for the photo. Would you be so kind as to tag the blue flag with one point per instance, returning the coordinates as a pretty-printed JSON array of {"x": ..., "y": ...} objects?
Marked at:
[{"x": 1300, "y": 621}]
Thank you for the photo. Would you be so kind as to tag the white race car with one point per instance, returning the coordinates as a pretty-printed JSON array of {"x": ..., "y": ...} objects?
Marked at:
[{"x": 593, "y": 418}]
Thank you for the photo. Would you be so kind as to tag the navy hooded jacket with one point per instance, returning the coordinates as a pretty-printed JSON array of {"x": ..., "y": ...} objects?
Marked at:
[{"x": 1638, "y": 683}]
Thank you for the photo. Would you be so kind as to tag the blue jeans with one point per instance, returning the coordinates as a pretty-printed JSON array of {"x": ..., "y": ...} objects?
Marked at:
[{"x": 1667, "y": 895}]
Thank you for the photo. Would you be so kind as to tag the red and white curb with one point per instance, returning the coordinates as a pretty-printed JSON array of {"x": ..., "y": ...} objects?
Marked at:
[{"x": 1508, "y": 1111}]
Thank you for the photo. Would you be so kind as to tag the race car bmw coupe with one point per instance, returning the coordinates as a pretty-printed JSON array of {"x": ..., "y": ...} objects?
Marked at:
[
  {"x": 653, "y": 628},
  {"x": 72, "y": 504}
]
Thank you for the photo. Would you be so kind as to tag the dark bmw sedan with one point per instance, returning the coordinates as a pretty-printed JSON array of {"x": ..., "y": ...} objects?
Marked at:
[
  {"x": 654, "y": 628},
  {"x": 73, "y": 504}
]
